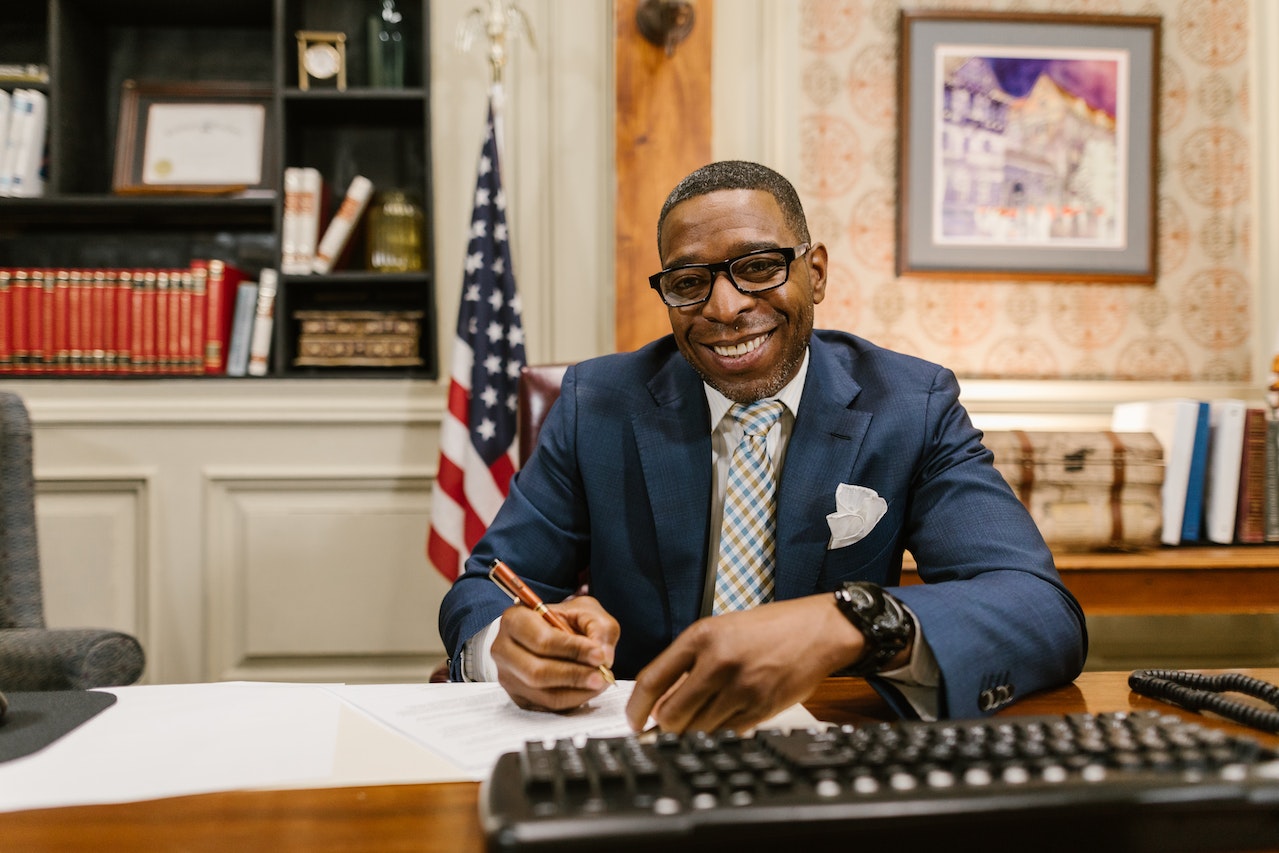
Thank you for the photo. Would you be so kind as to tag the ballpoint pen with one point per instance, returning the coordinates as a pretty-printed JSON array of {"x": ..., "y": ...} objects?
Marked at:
[{"x": 510, "y": 583}]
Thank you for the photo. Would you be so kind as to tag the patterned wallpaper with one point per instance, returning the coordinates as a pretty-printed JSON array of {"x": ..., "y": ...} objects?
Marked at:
[{"x": 1194, "y": 324}]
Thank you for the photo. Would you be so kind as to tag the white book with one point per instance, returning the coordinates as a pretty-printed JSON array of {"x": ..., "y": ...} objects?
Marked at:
[
  {"x": 1225, "y": 455},
  {"x": 263, "y": 322},
  {"x": 6, "y": 110},
  {"x": 342, "y": 226},
  {"x": 25, "y": 179},
  {"x": 19, "y": 112},
  {"x": 1173, "y": 422},
  {"x": 300, "y": 228},
  {"x": 246, "y": 300}
]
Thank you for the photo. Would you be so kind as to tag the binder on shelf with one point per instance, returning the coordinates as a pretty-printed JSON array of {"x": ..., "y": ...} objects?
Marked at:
[
  {"x": 338, "y": 233},
  {"x": 1174, "y": 422},
  {"x": 300, "y": 226},
  {"x": 263, "y": 323},
  {"x": 246, "y": 300},
  {"x": 1225, "y": 455},
  {"x": 1196, "y": 480}
]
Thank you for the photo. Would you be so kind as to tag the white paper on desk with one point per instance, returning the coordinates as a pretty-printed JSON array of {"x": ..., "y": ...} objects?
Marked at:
[
  {"x": 472, "y": 725},
  {"x": 169, "y": 740}
]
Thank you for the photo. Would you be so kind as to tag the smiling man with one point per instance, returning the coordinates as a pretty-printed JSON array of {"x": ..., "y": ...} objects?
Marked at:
[{"x": 742, "y": 492}]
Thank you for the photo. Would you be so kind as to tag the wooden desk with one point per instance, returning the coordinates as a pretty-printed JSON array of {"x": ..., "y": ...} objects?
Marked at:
[
  {"x": 1167, "y": 581},
  {"x": 426, "y": 817}
]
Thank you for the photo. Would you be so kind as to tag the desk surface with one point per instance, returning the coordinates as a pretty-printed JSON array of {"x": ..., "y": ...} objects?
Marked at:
[
  {"x": 1169, "y": 580},
  {"x": 440, "y": 817}
]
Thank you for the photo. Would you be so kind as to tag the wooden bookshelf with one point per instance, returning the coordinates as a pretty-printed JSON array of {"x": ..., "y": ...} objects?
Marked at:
[{"x": 91, "y": 47}]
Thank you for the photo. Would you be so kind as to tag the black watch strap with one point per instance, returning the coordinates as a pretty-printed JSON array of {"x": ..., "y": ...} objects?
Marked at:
[{"x": 884, "y": 623}]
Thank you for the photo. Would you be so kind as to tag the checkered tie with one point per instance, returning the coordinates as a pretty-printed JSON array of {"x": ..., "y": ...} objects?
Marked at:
[{"x": 747, "y": 546}]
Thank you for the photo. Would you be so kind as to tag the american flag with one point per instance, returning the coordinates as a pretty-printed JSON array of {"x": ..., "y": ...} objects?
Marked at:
[{"x": 477, "y": 440}]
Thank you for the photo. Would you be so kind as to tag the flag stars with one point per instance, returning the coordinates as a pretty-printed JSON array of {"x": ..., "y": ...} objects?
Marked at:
[
  {"x": 499, "y": 232},
  {"x": 496, "y": 300},
  {"x": 473, "y": 263},
  {"x": 473, "y": 291},
  {"x": 495, "y": 332},
  {"x": 486, "y": 165},
  {"x": 487, "y": 429},
  {"x": 513, "y": 369},
  {"x": 489, "y": 397},
  {"x": 481, "y": 197},
  {"x": 512, "y": 400},
  {"x": 478, "y": 229},
  {"x": 515, "y": 336},
  {"x": 493, "y": 364}
]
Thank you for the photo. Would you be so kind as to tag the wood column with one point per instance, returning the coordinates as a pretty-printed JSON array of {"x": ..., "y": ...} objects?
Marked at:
[{"x": 663, "y": 132}]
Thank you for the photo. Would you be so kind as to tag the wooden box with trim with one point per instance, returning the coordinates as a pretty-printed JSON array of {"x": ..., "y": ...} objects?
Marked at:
[{"x": 1087, "y": 491}]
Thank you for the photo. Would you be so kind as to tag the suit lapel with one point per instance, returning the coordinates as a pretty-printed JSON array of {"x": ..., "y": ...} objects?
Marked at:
[
  {"x": 674, "y": 446},
  {"x": 822, "y": 451}
]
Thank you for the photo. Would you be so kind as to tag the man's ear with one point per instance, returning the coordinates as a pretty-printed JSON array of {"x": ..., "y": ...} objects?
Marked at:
[{"x": 817, "y": 265}]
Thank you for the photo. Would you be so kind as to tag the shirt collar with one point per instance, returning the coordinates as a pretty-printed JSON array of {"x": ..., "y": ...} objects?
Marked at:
[{"x": 789, "y": 395}]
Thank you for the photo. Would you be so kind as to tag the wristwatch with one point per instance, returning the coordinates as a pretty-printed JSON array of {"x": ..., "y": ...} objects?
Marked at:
[{"x": 885, "y": 624}]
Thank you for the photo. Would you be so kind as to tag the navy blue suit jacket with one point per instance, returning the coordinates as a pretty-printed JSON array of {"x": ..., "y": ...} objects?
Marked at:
[{"x": 621, "y": 482}]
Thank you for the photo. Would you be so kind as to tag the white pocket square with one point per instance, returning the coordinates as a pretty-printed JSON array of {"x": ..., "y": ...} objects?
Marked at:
[{"x": 857, "y": 511}]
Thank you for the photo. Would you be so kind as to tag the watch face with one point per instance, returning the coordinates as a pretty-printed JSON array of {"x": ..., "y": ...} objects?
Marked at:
[
  {"x": 322, "y": 61},
  {"x": 859, "y": 597}
]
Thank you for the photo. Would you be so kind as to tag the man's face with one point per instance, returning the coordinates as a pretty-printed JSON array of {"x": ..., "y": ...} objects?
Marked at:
[{"x": 747, "y": 347}]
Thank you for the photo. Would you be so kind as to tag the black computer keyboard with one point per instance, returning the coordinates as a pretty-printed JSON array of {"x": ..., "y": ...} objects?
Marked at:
[{"x": 1141, "y": 781}]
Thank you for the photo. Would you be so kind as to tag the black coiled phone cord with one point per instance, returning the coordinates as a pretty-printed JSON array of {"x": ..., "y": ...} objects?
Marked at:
[{"x": 1198, "y": 692}]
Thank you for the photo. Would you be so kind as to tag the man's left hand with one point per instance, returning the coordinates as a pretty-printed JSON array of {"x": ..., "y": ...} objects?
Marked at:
[{"x": 736, "y": 670}]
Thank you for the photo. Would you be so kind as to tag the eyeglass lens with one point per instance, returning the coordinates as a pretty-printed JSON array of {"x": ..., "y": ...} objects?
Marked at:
[{"x": 751, "y": 273}]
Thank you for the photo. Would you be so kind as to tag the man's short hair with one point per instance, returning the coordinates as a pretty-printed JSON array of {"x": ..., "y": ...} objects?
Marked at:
[{"x": 739, "y": 175}]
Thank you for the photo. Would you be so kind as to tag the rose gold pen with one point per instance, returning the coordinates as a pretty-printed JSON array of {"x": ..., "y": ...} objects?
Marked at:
[{"x": 510, "y": 583}]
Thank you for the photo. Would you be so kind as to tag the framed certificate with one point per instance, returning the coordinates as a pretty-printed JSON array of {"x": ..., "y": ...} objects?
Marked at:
[{"x": 181, "y": 138}]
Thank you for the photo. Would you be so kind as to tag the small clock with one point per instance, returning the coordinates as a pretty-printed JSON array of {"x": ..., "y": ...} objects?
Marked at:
[{"x": 321, "y": 57}]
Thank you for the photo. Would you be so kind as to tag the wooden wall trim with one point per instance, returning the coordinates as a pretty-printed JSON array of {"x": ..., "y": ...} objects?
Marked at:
[{"x": 663, "y": 132}]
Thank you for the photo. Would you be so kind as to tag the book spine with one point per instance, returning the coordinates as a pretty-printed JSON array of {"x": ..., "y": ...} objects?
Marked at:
[
  {"x": 40, "y": 304},
  {"x": 19, "y": 293},
  {"x": 220, "y": 291},
  {"x": 6, "y": 320},
  {"x": 199, "y": 315},
  {"x": 101, "y": 322},
  {"x": 1272, "y": 481},
  {"x": 182, "y": 320},
  {"x": 67, "y": 336},
  {"x": 123, "y": 293},
  {"x": 246, "y": 300},
  {"x": 300, "y": 228},
  {"x": 339, "y": 231},
  {"x": 1250, "y": 518},
  {"x": 263, "y": 324},
  {"x": 161, "y": 333}
]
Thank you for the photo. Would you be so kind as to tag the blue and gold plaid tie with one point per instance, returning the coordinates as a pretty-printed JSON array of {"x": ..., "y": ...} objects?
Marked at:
[{"x": 747, "y": 545}]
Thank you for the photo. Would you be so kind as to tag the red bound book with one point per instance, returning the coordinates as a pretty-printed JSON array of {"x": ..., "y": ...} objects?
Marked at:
[
  {"x": 19, "y": 296},
  {"x": 199, "y": 311},
  {"x": 180, "y": 319},
  {"x": 66, "y": 322},
  {"x": 6, "y": 321},
  {"x": 41, "y": 318},
  {"x": 101, "y": 321},
  {"x": 164, "y": 337},
  {"x": 221, "y": 284},
  {"x": 122, "y": 298}
]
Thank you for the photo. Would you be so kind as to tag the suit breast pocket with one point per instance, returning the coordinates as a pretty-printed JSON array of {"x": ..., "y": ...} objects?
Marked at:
[{"x": 867, "y": 559}]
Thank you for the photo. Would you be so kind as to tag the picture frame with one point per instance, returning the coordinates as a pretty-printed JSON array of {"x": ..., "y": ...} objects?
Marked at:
[
  {"x": 1028, "y": 146},
  {"x": 194, "y": 138}
]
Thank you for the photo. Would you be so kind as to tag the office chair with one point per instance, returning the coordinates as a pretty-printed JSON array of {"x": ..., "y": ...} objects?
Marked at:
[
  {"x": 539, "y": 387},
  {"x": 32, "y": 656}
]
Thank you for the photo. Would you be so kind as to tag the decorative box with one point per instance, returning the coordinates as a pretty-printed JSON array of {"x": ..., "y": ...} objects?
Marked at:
[
  {"x": 1085, "y": 490},
  {"x": 358, "y": 338}
]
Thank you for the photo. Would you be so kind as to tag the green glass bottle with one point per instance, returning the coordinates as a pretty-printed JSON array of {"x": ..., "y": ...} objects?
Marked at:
[{"x": 386, "y": 47}]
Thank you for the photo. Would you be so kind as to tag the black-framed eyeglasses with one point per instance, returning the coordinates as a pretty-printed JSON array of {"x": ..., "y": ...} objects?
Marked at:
[{"x": 751, "y": 273}]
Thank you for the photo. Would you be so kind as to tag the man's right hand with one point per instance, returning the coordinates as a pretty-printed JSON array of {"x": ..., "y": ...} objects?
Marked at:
[{"x": 546, "y": 669}]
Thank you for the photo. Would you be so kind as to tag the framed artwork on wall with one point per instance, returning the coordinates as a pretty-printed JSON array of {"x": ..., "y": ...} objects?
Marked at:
[{"x": 1027, "y": 146}]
